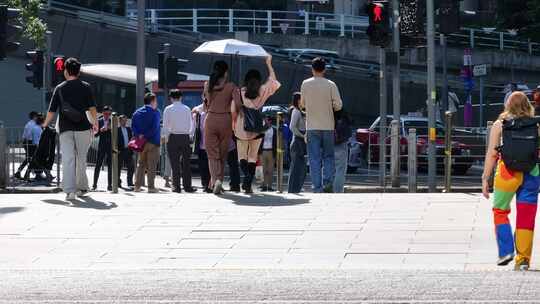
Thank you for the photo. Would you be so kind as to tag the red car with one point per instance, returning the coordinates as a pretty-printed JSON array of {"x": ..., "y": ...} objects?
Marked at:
[{"x": 369, "y": 140}]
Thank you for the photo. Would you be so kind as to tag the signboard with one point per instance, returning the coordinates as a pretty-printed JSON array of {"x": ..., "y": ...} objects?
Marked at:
[{"x": 480, "y": 70}]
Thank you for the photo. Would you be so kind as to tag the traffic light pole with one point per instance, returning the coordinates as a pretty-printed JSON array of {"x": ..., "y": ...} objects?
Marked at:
[
  {"x": 141, "y": 52},
  {"x": 382, "y": 121},
  {"x": 431, "y": 94},
  {"x": 167, "y": 51},
  {"x": 46, "y": 70},
  {"x": 445, "y": 73},
  {"x": 396, "y": 86}
]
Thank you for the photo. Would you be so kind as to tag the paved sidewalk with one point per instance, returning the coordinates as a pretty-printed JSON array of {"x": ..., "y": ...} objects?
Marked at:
[{"x": 235, "y": 231}]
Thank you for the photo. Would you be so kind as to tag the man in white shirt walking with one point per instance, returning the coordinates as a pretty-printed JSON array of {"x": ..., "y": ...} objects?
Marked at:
[{"x": 178, "y": 131}]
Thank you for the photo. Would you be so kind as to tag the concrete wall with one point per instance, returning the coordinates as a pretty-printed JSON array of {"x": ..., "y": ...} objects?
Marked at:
[{"x": 94, "y": 43}]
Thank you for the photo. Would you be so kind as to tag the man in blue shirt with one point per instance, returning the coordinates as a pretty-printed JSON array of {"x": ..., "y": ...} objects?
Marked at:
[
  {"x": 146, "y": 125},
  {"x": 31, "y": 135}
]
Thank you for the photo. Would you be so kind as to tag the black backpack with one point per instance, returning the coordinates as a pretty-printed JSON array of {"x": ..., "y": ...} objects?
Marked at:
[{"x": 520, "y": 143}]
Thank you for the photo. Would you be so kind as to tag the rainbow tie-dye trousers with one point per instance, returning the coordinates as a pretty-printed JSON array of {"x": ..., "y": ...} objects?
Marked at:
[{"x": 525, "y": 186}]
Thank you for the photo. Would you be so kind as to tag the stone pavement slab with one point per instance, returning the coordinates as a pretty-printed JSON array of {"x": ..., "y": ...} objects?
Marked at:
[{"x": 235, "y": 231}]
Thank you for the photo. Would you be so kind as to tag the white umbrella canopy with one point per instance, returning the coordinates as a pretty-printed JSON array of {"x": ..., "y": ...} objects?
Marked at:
[{"x": 231, "y": 47}]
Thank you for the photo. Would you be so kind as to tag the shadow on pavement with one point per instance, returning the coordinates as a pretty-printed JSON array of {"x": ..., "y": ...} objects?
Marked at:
[
  {"x": 85, "y": 202},
  {"x": 259, "y": 199},
  {"x": 6, "y": 210}
]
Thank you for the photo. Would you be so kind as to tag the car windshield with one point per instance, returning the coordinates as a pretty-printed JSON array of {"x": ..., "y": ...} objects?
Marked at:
[{"x": 422, "y": 127}]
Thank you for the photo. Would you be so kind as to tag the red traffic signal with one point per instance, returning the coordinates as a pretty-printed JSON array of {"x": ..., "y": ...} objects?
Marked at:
[
  {"x": 57, "y": 69},
  {"x": 377, "y": 13},
  {"x": 59, "y": 64}
]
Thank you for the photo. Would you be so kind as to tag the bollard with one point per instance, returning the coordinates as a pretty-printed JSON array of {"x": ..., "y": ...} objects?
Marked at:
[
  {"x": 114, "y": 152},
  {"x": 58, "y": 160},
  {"x": 412, "y": 163},
  {"x": 4, "y": 176},
  {"x": 280, "y": 152},
  {"x": 394, "y": 152},
  {"x": 448, "y": 153}
]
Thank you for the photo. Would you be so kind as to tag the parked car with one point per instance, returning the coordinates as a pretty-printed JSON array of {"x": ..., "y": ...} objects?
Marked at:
[
  {"x": 305, "y": 55},
  {"x": 369, "y": 140}
]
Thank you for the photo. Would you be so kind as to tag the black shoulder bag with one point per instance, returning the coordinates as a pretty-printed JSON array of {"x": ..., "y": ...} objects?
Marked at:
[
  {"x": 253, "y": 119},
  {"x": 67, "y": 110}
]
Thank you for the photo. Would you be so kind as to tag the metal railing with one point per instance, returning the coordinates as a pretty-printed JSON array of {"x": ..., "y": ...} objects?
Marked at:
[
  {"x": 459, "y": 157},
  {"x": 280, "y": 22},
  {"x": 14, "y": 154}
]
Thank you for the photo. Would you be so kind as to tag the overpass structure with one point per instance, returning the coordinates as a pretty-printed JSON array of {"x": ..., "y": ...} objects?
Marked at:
[{"x": 96, "y": 37}]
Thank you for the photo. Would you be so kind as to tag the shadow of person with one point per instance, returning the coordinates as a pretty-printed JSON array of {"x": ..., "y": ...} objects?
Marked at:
[
  {"x": 84, "y": 202},
  {"x": 6, "y": 210},
  {"x": 264, "y": 199}
]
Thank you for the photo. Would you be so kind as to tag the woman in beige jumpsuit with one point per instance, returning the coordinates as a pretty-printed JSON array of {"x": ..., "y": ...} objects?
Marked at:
[{"x": 219, "y": 94}]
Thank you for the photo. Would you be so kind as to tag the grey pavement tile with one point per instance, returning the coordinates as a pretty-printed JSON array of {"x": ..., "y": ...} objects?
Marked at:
[
  {"x": 247, "y": 263},
  {"x": 206, "y": 243},
  {"x": 215, "y": 234},
  {"x": 266, "y": 241},
  {"x": 439, "y": 248},
  {"x": 274, "y": 232},
  {"x": 442, "y": 237},
  {"x": 185, "y": 263},
  {"x": 373, "y": 261},
  {"x": 432, "y": 260}
]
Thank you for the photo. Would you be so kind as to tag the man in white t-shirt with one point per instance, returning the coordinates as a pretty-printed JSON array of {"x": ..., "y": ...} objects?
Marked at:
[{"x": 268, "y": 150}]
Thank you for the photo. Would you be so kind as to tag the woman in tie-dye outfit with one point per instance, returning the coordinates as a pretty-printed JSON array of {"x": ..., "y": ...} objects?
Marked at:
[{"x": 524, "y": 185}]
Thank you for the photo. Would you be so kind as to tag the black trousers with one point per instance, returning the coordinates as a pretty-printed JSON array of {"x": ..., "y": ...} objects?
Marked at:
[
  {"x": 29, "y": 150},
  {"x": 125, "y": 159},
  {"x": 234, "y": 170},
  {"x": 179, "y": 153},
  {"x": 104, "y": 154},
  {"x": 203, "y": 168}
]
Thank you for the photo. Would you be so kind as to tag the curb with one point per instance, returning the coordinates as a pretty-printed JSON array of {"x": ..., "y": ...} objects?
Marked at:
[
  {"x": 405, "y": 190},
  {"x": 30, "y": 190}
]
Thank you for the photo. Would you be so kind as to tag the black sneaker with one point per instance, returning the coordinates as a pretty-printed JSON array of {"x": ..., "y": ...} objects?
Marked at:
[
  {"x": 17, "y": 175},
  {"x": 235, "y": 189},
  {"x": 190, "y": 190},
  {"x": 505, "y": 260}
]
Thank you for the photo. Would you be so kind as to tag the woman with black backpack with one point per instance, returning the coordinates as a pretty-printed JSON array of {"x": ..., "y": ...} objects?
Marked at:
[
  {"x": 253, "y": 95},
  {"x": 513, "y": 150}
]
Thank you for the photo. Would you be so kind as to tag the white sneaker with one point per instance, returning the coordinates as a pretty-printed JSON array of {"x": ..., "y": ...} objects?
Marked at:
[
  {"x": 71, "y": 196},
  {"x": 218, "y": 187},
  {"x": 82, "y": 193}
]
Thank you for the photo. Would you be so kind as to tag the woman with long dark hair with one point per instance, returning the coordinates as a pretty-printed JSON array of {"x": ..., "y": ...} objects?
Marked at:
[
  {"x": 254, "y": 94},
  {"x": 297, "y": 171},
  {"x": 219, "y": 93}
]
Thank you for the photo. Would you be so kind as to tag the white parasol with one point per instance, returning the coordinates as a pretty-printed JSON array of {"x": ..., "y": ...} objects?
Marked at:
[{"x": 231, "y": 47}]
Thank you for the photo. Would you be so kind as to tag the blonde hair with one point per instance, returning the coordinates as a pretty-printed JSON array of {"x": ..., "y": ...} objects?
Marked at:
[{"x": 517, "y": 106}]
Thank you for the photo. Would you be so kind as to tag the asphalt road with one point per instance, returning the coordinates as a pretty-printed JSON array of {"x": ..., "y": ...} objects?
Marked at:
[{"x": 268, "y": 286}]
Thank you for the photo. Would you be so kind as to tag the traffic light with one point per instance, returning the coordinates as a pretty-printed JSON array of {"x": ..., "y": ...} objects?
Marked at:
[
  {"x": 7, "y": 30},
  {"x": 161, "y": 70},
  {"x": 412, "y": 27},
  {"x": 57, "y": 69},
  {"x": 174, "y": 66},
  {"x": 168, "y": 70},
  {"x": 378, "y": 30},
  {"x": 36, "y": 67},
  {"x": 449, "y": 21}
]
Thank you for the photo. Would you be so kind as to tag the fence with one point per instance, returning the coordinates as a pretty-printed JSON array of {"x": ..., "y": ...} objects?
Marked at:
[
  {"x": 284, "y": 22},
  {"x": 459, "y": 152}
]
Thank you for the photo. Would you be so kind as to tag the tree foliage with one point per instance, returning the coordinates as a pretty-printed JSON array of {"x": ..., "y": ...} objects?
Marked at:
[
  {"x": 33, "y": 26},
  {"x": 520, "y": 15}
]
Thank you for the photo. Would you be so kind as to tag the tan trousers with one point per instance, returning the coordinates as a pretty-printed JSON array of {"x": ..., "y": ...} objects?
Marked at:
[
  {"x": 268, "y": 167},
  {"x": 148, "y": 160},
  {"x": 248, "y": 149}
]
